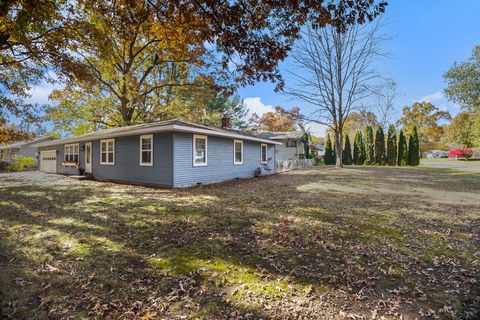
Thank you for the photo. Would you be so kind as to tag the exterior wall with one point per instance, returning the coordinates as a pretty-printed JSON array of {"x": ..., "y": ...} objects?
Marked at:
[
  {"x": 25, "y": 150},
  {"x": 290, "y": 153},
  {"x": 172, "y": 160},
  {"x": 61, "y": 157},
  {"x": 127, "y": 161},
  {"x": 28, "y": 151},
  {"x": 220, "y": 164}
]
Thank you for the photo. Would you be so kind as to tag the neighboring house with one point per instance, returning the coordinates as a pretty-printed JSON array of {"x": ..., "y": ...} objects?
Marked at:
[
  {"x": 435, "y": 154},
  {"x": 23, "y": 148},
  {"x": 170, "y": 153},
  {"x": 318, "y": 150},
  {"x": 291, "y": 148}
]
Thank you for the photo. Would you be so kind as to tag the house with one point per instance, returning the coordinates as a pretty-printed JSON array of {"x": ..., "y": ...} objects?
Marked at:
[
  {"x": 318, "y": 150},
  {"x": 170, "y": 153},
  {"x": 23, "y": 148},
  {"x": 292, "y": 146},
  {"x": 436, "y": 154}
]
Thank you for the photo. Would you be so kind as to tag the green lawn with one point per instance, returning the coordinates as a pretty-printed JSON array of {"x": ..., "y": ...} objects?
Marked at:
[{"x": 357, "y": 243}]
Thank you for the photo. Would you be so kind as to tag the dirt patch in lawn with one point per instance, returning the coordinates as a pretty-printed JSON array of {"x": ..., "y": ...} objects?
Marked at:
[{"x": 356, "y": 243}]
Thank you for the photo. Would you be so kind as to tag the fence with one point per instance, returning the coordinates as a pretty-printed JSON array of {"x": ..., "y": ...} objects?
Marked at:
[{"x": 287, "y": 165}]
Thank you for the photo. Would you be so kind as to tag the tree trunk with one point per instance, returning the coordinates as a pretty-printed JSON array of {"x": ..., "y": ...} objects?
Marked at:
[{"x": 339, "y": 149}]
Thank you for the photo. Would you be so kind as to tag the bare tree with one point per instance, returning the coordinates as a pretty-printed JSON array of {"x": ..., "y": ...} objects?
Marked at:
[
  {"x": 383, "y": 104},
  {"x": 335, "y": 73}
]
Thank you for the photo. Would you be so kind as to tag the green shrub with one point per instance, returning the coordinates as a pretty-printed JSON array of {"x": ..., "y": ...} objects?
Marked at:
[
  {"x": 347, "y": 152},
  {"x": 358, "y": 149},
  {"x": 379, "y": 146},
  {"x": 402, "y": 159},
  {"x": 369, "y": 145},
  {"x": 20, "y": 163},
  {"x": 413, "y": 148},
  {"x": 329, "y": 157},
  {"x": 392, "y": 146}
]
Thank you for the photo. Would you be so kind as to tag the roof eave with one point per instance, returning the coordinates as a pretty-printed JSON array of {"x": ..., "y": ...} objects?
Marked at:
[{"x": 171, "y": 127}]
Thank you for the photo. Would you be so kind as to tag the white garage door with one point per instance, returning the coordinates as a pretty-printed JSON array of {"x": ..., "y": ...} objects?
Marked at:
[{"x": 48, "y": 161}]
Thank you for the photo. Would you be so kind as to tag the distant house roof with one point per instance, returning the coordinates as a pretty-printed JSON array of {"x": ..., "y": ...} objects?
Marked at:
[
  {"x": 169, "y": 125},
  {"x": 281, "y": 135},
  {"x": 18, "y": 145},
  {"x": 317, "y": 146}
]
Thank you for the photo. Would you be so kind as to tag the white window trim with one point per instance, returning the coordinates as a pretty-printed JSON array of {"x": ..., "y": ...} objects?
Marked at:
[
  {"x": 234, "y": 159},
  {"x": 71, "y": 145},
  {"x": 261, "y": 153},
  {"x": 146, "y": 164},
  {"x": 107, "y": 141},
  {"x": 195, "y": 137}
]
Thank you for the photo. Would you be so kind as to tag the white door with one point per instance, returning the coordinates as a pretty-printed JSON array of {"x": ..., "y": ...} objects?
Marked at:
[
  {"x": 88, "y": 157},
  {"x": 48, "y": 161}
]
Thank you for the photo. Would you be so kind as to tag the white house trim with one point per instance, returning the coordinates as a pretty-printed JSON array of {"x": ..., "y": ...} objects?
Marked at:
[
  {"x": 68, "y": 146},
  {"x": 234, "y": 151},
  {"x": 146, "y": 164},
  {"x": 195, "y": 137},
  {"x": 261, "y": 153},
  {"x": 107, "y": 163}
]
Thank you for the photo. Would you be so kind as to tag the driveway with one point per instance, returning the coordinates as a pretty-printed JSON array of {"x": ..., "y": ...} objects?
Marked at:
[{"x": 470, "y": 166}]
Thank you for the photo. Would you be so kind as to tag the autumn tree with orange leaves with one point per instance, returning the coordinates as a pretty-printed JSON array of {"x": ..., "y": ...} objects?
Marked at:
[
  {"x": 276, "y": 121},
  {"x": 137, "y": 55}
]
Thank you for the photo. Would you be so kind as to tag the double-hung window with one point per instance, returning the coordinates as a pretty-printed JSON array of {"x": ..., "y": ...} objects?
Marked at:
[
  {"x": 107, "y": 151},
  {"x": 291, "y": 143},
  {"x": 146, "y": 150},
  {"x": 237, "y": 151},
  {"x": 71, "y": 152},
  {"x": 199, "y": 150},
  {"x": 264, "y": 153}
]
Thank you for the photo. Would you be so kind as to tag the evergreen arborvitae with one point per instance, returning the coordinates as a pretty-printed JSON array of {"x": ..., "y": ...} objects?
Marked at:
[
  {"x": 402, "y": 154},
  {"x": 369, "y": 145},
  {"x": 328, "y": 158},
  {"x": 413, "y": 148},
  {"x": 347, "y": 152},
  {"x": 358, "y": 149},
  {"x": 379, "y": 146},
  {"x": 392, "y": 146}
]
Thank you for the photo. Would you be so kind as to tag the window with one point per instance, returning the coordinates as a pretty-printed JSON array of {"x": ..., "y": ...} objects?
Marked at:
[
  {"x": 291, "y": 143},
  {"x": 146, "y": 150},
  {"x": 71, "y": 153},
  {"x": 237, "y": 151},
  {"x": 107, "y": 151},
  {"x": 264, "y": 153},
  {"x": 199, "y": 150}
]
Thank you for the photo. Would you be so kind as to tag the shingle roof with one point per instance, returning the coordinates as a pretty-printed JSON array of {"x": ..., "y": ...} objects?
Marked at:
[
  {"x": 168, "y": 125},
  {"x": 20, "y": 144},
  {"x": 282, "y": 135}
]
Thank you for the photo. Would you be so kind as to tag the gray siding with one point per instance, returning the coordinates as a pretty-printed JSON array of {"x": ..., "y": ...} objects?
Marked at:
[
  {"x": 220, "y": 164},
  {"x": 61, "y": 157},
  {"x": 127, "y": 161},
  {"x": 172, "y": 160}
]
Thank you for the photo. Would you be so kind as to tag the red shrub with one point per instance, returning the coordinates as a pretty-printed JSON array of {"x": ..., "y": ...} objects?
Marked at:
[{"x": 461, "y": 152}]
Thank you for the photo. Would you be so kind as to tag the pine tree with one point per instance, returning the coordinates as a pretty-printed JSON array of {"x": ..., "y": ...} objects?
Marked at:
[
  {"x": 328, "y": 158},
  {"x": 369, "y": 145},
  {"x": 413, "y": 148},
  {"x": 347, "y": 152},
  {"x": 402, "y": 153},
  {"x": 379, "y": 146},
  {"x": 392, "y": 146},
  {"x": 358, "y": 149}
]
